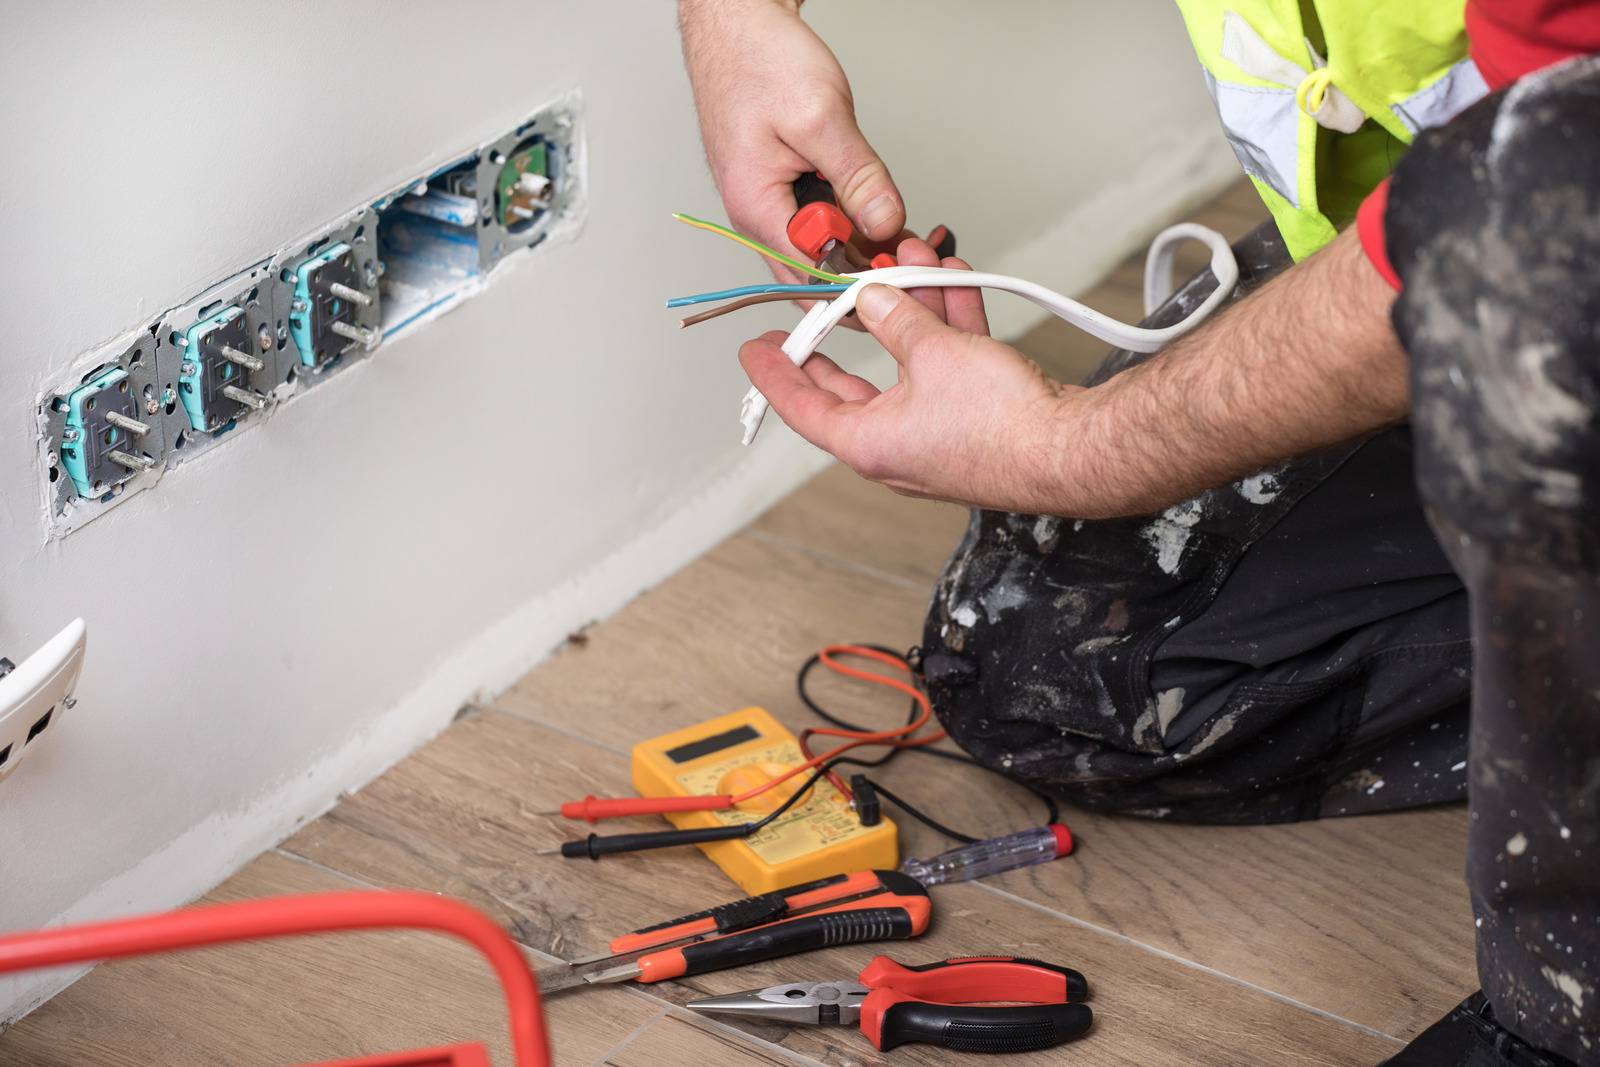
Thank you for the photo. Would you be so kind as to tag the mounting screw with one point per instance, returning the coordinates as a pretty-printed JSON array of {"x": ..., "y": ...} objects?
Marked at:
[
  {"x": 298, "y": 306},
  {"x": 370, "y": 275},
  {"x": 264, "y": 337},
  {"x": 283, "y": 333},
  {"x": 69, "y": 435},
  {"x": 169, "y": 395},
  {"x": 187, "y": 367}
]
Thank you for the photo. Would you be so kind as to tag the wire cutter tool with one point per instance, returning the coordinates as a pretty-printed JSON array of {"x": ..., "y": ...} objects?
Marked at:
[
  {"x": 973, "y": 1004},
  {"x": 819, "y": 229},
  {"x": 845, "y": 909}
]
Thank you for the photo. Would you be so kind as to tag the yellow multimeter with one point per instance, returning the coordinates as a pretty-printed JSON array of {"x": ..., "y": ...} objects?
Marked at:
[{"x": 818, "y": 837}]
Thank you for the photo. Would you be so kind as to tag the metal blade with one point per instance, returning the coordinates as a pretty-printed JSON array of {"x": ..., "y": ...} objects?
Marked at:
[
  {"x": 562, "y": 977},
  {"x": 796, "y": 1002}
]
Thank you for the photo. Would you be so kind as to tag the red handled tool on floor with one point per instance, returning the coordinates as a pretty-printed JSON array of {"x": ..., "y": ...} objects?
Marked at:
[
  {"x": 975, "y": 1004},
  {"x": 320, "y": 913},
  {"x": 824, "y": 233},
  {"x": 846, "y": 909}
]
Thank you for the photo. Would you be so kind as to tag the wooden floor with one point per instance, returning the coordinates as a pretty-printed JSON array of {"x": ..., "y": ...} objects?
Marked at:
[{"x": 1325, "y": 943}]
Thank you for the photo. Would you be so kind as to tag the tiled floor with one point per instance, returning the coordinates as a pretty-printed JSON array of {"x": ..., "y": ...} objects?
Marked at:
[{"x": 1322, "y": 943}]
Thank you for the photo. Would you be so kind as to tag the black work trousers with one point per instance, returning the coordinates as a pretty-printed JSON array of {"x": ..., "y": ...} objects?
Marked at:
[{"x": 1298, "y": 644}]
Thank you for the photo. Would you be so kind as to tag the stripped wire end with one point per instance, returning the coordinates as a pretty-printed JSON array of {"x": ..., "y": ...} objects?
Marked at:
[{"x": 757, "y": 246}]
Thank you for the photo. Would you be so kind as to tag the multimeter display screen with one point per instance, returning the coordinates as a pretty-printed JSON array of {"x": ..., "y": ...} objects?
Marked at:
[{"x": 715, "y": 743}]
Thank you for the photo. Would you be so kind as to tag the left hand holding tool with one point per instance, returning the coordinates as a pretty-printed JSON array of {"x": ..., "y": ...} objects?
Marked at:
[{"x": 1027, "y": 1004}]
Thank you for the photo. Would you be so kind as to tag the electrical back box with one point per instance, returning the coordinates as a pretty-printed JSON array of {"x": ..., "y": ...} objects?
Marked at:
[{"x": 820, "y": 836}]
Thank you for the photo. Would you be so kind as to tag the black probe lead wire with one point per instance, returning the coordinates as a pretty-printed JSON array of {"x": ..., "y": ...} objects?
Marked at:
[
  {"x": 662, "y": 839},
  {"x": 595, "y": 845},
  {"x": 1053, "y": 811}
]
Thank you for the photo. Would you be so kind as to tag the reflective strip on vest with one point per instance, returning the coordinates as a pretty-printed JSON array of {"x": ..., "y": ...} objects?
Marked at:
[
  {"x": 1262, "y": 127},
  {"x": 1456, "y": 90}
]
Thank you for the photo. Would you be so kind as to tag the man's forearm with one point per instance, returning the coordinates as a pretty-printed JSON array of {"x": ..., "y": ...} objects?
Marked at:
[{"x": 1307, "y": 361}]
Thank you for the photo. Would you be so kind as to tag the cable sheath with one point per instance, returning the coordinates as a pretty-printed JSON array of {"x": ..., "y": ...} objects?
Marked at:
[{"x": 817, "y": 323}]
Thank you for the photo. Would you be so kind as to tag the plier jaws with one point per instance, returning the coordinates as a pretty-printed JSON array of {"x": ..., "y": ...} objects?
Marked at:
[{"x": 799, "y": 1003}]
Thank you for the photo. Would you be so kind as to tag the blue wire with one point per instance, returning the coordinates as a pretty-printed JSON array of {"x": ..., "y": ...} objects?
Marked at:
[{"x": 753, "y": 290}]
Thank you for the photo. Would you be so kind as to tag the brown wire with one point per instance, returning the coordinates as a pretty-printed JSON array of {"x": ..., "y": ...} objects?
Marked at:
[{"x": 723, "y": 309}]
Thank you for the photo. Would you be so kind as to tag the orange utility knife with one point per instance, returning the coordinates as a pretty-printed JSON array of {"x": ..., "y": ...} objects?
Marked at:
[{"x": 845, "y": 909}]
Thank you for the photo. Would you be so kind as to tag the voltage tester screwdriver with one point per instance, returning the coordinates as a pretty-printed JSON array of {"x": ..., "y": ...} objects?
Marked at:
[{"x": 984, "y": 858}]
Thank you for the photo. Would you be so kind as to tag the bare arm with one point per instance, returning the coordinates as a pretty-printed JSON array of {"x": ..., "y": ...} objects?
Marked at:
[{"x": 1307, "y": 361}]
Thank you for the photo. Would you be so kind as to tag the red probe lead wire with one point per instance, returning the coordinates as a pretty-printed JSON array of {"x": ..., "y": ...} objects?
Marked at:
[{"x": 593, "y": 808}]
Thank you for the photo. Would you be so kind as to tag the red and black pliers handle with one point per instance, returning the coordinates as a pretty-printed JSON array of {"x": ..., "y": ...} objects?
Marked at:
[
  {"x": 974, "y": 1004},
  {"x": 823, "y": 232}
]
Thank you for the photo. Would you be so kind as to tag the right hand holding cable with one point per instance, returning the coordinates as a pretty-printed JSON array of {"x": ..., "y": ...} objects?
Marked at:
[{"x": 774, "y": 104}]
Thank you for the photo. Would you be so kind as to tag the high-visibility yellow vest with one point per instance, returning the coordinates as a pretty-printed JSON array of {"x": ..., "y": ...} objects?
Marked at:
[{"x": 1319, "y": 98}]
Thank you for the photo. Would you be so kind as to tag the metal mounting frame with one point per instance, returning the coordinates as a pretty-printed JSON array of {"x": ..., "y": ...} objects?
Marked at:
[
  {"x": 264, "y": 292},
  {"x": 135, "y": 355},
  {"x": 558, "y": 125}
]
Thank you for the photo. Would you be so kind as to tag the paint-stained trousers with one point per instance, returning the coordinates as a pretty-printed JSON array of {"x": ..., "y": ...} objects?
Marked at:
[{"x": 1298, "y": 644}]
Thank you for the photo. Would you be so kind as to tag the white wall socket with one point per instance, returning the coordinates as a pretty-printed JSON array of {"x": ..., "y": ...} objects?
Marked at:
[{"x": 37, "y": 692}]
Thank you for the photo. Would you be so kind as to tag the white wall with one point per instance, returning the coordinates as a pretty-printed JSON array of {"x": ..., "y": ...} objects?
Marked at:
[{"x": 282, "y": 618}]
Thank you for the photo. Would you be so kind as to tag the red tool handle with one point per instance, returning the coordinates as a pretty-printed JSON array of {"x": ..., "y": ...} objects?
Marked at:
[
  {"x": 890, "y": 1018},
  {"x": 255, "y": 920},
  {"x": 901, "y": 911},
  {"x": 817, "y": 225},
  {"x": 819, "y": 221},
  {"x": 748, "y": 911},
  {"x": 978, "y": 979},
  {"x": 472, "y": 1055},
  {"x": 595, "y": 808},
  {"x": 808, "y": 933}
]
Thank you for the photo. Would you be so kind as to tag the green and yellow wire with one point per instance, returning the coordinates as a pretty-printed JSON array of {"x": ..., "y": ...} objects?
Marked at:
[{"x": 702, "y": 224}]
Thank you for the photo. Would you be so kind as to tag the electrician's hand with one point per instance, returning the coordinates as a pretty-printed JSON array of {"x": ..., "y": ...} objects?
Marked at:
[
  {"x": 774, "y": 104},
  {"x": 970, "y": 420}
]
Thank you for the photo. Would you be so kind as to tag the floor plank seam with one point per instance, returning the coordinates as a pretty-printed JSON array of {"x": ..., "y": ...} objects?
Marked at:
[
  {"x": 780, "y": 541},
  {"x": 600, "y": 1060},
  {"x": 782, "y": 1051},
  {"x": 568, "y": 734},
  {"x": 295, "y": 857},
  {"x": 1282, "y": 998}
]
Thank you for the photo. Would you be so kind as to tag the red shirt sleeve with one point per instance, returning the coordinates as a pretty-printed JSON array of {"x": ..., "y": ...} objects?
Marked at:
[
  {"x": 1369, "y": 228},
  {"x": 1508, "y": 38}
]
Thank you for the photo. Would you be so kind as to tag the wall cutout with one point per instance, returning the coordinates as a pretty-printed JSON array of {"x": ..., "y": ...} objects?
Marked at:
[{"x": 181, "y": 384}]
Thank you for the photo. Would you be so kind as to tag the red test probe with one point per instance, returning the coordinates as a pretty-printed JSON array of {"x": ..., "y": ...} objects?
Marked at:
[{"x": 593, "y": 809}]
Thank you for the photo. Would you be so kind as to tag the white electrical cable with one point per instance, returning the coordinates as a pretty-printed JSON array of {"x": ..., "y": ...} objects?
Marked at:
[{"x": 817, "y": 323}]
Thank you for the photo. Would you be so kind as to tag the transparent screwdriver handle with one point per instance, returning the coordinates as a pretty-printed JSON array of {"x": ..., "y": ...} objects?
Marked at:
[{"x": 1022, "y": 849}]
